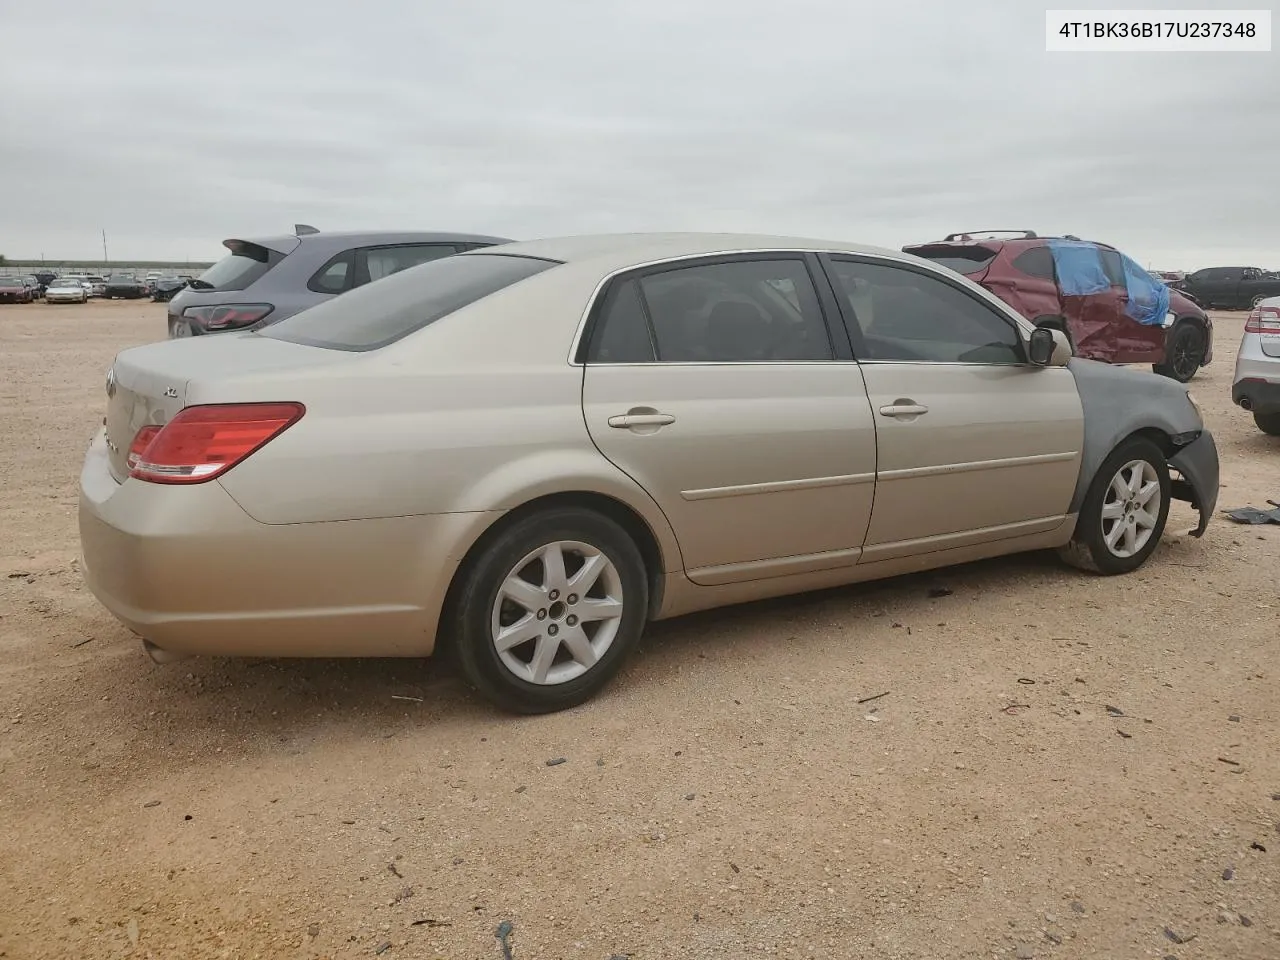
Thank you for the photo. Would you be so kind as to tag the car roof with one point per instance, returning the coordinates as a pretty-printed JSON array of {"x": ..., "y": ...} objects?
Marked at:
[
  {"x": 618, "y": 250},
  {"x": 287, "y": 242}
]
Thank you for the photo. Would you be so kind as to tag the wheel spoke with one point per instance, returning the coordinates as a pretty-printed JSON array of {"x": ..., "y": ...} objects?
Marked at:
[
  {"x": 1130, "y": 538},
  {"x": 591, "y": 609},
  {"x": 543, "y": 657},
  {"x": 576, "y": 642},
  {"x": 553, "y": 575},
  {"x": 1112, "y": 536},
  {"x": 1113, "y": 510},
  {"x": 1120, "y": 487},
  {"x": 586, "y": 577},
  {"x": 516, "y": 634},
  {"x": 1145, "y": 520},
  {"x": 529, "y": 596},
  {"x": 1147, "y": 491},
  {"x": 1135, "y": 478}
]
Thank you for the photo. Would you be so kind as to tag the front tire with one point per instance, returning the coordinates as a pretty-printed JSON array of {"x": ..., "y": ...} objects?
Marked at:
[
  {"x": 1124, "y": 513},
  {"x": 1184, "y": 352},
  {"x": 548, "y": 611},
  {"x": 1268, "y": 423}
]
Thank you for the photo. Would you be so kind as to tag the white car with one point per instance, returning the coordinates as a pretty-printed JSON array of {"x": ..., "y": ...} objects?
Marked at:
[
  {"x": 97, "y": 286},
  {"x": 1257, "y": 382},
  {"x": 67, "y": 290}
]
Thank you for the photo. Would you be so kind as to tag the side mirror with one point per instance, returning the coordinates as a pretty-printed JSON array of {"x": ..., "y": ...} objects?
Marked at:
[{"x": 1047, "y": 347}]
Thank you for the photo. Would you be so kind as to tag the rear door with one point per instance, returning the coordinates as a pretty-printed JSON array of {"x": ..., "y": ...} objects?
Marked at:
[
  {"x": 715, "y": 383},
  {"x": 974, "y": 443}
]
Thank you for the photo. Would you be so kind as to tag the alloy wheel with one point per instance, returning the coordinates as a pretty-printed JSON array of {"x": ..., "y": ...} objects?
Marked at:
[
  {"x": 557, "y": 613},
  {"x": 1131, "y": 508}
]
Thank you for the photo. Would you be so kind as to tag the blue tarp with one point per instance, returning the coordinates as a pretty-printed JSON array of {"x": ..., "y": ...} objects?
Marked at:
[
  {"x": 1080, "y": 274},
  {"x": 1148, "y": 297},
  {"x": 1079, "y": 267}
]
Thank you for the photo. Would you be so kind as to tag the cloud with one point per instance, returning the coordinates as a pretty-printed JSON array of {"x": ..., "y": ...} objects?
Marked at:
[{"x": 173, "y": 126}]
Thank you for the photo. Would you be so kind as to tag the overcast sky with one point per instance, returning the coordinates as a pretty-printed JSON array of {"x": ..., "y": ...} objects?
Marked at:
[{"x": 176, "y": 125}]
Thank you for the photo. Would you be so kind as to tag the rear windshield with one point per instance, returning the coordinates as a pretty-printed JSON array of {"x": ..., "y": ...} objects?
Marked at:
[
  {"x": 377, "y": 314},
  {"x": 245, "y": 264},
  {"x": 965, "y": 260}
]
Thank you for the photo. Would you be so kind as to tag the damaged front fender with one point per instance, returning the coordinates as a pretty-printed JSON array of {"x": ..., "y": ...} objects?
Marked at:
[{"x": 1197, "y": 464}]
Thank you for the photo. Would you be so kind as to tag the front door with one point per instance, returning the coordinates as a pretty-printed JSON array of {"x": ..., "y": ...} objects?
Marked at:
[
  {"x": 974, "y": 443},
  {"x": 714, "y": 385}
]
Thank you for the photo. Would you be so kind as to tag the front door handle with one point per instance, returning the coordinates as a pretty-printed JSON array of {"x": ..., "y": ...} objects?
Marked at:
[
  {"x": 628, "y": 420},
  {"x": 903, "y": 408}
]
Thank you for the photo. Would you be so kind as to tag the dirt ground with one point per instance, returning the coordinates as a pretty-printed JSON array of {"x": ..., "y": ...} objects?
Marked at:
[{"x": 1061, "y": 766}]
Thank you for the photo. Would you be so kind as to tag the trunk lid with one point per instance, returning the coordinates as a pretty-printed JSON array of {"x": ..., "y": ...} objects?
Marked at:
[{"x": 151, "y": 384}]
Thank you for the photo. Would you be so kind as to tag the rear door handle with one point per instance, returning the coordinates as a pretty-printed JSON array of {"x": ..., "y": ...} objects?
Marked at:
[
  {"x": 903, "y": 408},
  {"x": 627, "y": 420}
]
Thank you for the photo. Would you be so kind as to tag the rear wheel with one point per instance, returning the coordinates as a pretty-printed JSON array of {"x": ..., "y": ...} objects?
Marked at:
[
  {"x": 1259, "y": 298},
  {"x": 548, "y": 611},
  {"x": 1124, "y": 512},
  {"x": 1184, "y": 352},
  {"x": 1268, "y": 423}
]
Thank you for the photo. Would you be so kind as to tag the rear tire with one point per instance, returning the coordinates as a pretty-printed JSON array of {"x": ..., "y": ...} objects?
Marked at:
[
  {"x": 1268, "y": 423},
  {"x": 1119, "y": 524},
  {"x": 533, "y": 639},
  {"x": 1184, "y": 352},
  {"x": 1257, "y": 301}
]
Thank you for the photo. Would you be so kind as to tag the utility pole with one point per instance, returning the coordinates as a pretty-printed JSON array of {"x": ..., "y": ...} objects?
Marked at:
[{"x": 105, "y": 259}]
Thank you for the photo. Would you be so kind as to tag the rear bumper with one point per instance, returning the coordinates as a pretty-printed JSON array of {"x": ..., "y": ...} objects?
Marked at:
[
  {"x": 1256, "y": 395},
  {"x": 1197, "y": 462},
  {"x": 189, "y": 571}
]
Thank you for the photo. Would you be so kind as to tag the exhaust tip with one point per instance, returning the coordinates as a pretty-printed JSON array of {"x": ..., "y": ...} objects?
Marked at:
[
  {"x": 162, "y": 656},
  {"x": 1246, "y": 403}
]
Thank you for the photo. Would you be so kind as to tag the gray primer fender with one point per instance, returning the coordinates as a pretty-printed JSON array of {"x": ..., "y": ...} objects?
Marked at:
[{"x": 1118, "y": 401}]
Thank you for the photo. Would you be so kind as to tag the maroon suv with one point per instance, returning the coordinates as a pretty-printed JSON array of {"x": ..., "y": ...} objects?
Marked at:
[{"x": 1024, "y": 272}]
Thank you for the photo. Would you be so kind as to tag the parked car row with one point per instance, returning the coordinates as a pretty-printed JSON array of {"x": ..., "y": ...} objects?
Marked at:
[{"x": 27, "y": 289}]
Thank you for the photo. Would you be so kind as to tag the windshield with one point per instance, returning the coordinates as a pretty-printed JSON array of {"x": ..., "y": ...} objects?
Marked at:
[
  {"x": 380, "y": 313},
  {"x": 244, "y": 265},
  {"x": 963, "y": 259},
  {"x": 67, "y": 282}
]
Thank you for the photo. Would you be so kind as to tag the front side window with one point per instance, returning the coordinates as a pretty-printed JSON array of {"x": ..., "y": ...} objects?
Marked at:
[
  {"x": 907, "y": 316},
  {"x": 742, "y": 311}
]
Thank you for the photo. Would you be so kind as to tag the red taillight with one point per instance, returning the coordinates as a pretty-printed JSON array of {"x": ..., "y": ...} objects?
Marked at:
[
  {"x": 1263, "y": 320},
  {"x": 204, "y": 442},
  {"x": 140, "y": 443},
  {"x": 228, "y": 316}
]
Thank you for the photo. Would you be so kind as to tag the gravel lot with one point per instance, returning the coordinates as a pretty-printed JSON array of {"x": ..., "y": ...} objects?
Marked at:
[{"x": 727, "y": 797}]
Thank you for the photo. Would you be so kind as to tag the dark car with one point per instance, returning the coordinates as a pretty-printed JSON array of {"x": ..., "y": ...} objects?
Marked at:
[
  {"x": 44, "y": 278},
  {"x": 267, "y": 280},
  {"x": 1231, "y": 288},
  {"x": 164, "y": 289},
  {"x": 1110, "y": 308},
  {"x": 16, "y": 290},
  {"x": 125, "y": 286}
]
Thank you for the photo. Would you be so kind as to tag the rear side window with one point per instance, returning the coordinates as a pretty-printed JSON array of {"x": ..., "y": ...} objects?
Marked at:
[
  {"x": 334, "y": 276},
  {"x": 1036, "y": 262},
  {"x": 383, "y": 261},
  {"x": 377, "y": 314},
  {"x": 623, "y": 334},
  {"x": 245, "y": 264}
]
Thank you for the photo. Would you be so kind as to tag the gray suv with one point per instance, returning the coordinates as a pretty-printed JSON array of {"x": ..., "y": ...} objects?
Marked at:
[{"x": 265, "y": 280}]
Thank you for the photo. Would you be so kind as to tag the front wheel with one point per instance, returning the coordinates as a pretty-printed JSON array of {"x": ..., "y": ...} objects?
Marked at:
[
  {"x": 1124, "y": 512},
  {"x": 1257, "y": 301},
  {"x": 1268, "y": 423},
  {"x": 1184, "y": 352},
  {"x": 548, "y": 611}
]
